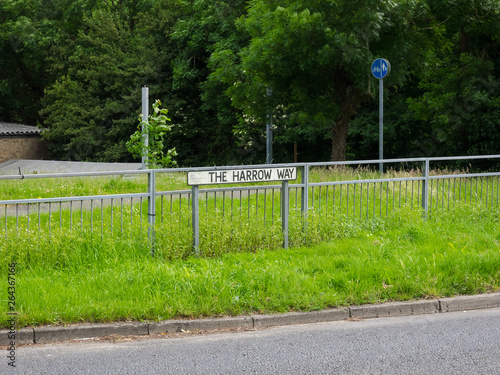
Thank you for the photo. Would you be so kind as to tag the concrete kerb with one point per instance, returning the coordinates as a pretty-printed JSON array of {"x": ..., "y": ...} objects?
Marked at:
[
  {"x": 329, "y": 315},
  {"x": 463, "y": 303},
  {"x": 395, "y": 309},
  {"x": 172, "y": 326},
  {"x": 56, "y": 334},
  {"x": 22, "y": 337},
  {"x": 50, "y": 334}
]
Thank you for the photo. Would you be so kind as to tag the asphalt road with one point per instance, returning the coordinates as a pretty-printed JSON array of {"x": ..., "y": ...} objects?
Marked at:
[
  {"x": 12, "y": 167},
  {"x": 451, "y": 343}
]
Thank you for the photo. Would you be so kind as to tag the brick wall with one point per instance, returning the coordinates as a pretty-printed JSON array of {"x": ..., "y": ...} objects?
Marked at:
[{"x": 19, "y": 147}]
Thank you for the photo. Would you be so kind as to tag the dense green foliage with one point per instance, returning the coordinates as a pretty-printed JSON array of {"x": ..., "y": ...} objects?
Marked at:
[{"x": 76, "y": 68}]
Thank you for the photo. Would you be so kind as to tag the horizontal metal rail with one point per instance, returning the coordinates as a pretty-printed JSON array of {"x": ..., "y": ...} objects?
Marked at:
[
  {"x": 71, "y": 174},
  {"x": 370, "y": 181},
  {"x": 470, "y": 175},
  {"x": 76, "y": 198},
  {"x": 409, "y": 160}
]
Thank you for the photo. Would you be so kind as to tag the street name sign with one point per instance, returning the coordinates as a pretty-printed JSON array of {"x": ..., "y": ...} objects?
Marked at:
[{"x": 238, "y": 176}]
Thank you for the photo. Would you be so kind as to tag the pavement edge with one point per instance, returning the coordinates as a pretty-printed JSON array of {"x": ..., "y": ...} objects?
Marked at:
[{"x": 52, "y": 334}]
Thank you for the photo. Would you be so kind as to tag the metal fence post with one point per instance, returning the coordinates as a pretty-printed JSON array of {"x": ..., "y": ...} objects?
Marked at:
[
  {"x": 196, "y": 219},
  {"x": 285, "y": 201},
  {"x": 425, "y": 188},
  {"x": 151, "y": 209},
  {"x": 305, "y": 195}
]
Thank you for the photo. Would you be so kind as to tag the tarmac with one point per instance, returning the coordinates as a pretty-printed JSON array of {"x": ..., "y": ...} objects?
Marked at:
[
  {"x": 58, "y": 334},
  {"x": 17, "y": 167}
]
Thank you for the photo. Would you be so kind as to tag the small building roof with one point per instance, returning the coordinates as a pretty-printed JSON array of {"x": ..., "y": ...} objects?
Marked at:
[{"x": 7, "y": 128}]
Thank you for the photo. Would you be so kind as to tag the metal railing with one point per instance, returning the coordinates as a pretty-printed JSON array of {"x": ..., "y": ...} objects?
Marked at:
[{"x": 261, "y": 206}]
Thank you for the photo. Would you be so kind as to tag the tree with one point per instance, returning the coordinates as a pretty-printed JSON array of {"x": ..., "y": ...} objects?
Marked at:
[
  {"x": 28, "y": 31},
  {"x": 90, "y": 110},
  {"x": 461, "y": 85},
  {"x": 316, "y": 56},
  {"x": 203, "y": 116},
  {"x": 148, "y": 141},
  {"x": 404, "y": 135}
]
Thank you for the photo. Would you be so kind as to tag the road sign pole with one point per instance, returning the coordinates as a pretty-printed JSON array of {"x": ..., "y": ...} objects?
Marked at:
[
  {"x": 381, "y": 125},
  {"x": 380, "y": 69}
]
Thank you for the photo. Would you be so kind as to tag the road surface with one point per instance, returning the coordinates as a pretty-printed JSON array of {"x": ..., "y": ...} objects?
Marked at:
[{"x": 451, "y": 343}]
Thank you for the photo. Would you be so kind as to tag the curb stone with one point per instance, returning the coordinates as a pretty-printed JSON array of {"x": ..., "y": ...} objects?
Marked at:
[
  {"x": 172, "y": 326},
  {"x": 23, "y": 336},
  {"x": 395, "y": 309},
  {"x": 56, "y": 334},
  {"x": 329, "y": 315},
  {"x": 52, "y": 334},
  {"x": 482, "y": 301}
]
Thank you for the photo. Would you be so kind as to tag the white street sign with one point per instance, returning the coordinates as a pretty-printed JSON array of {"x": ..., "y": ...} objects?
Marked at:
[{"x": 238, "y": 176}]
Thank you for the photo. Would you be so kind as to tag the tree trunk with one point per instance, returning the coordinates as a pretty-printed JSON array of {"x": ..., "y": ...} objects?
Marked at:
[
  {"x": 339, "y": 139},
  {"x": 348, "y": 100},
  {"x": 464, "y": 41}
]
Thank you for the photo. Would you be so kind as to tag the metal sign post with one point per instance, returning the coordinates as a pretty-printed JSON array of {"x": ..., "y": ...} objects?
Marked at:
[
  {"x": 145, "y": 115},
  {"x": 380, "y": 69},
  {"x": 239, "y": 176}
]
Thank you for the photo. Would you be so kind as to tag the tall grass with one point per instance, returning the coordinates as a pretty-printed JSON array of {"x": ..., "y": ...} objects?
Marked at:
[
  {"x": 233, "y": 221},
  {"x": 81, "y": 278}
]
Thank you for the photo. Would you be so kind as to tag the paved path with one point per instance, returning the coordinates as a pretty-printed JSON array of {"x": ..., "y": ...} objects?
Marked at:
[{"x": 12, "y": 167}]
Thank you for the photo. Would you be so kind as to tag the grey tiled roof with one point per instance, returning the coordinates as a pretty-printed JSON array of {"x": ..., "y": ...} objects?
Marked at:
[{"x": 7, "y": 128}]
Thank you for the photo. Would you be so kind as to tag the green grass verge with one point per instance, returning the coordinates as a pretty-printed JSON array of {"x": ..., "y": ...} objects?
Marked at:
[
  {"x": 81, "y": 278},
  {"x": 83, "y": 186}
]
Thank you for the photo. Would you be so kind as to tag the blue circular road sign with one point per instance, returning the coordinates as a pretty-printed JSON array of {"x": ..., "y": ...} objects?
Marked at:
[{"x": 380, "y": 68}]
